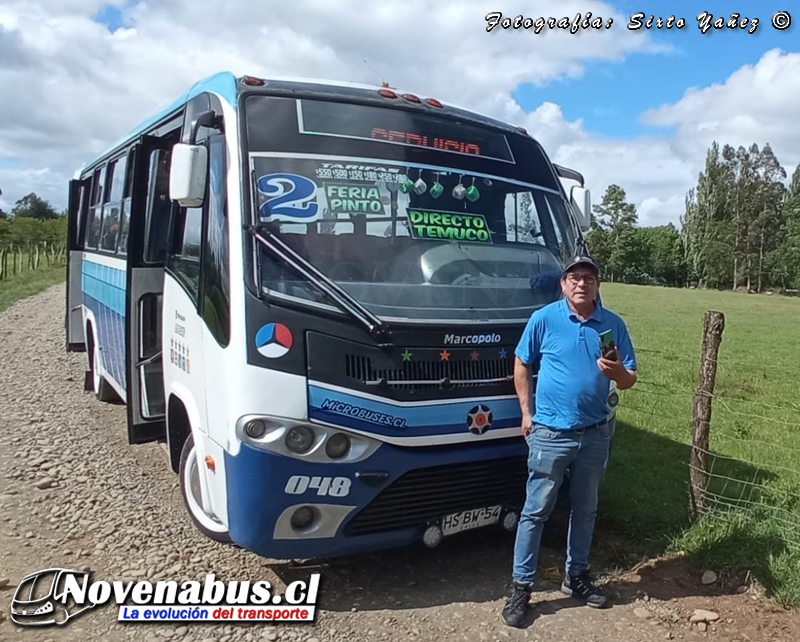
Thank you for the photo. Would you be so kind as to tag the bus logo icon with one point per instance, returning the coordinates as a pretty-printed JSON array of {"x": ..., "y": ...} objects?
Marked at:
[
  {"x": 46, "y": 597},
  {"x": 479, "y": 419},
  {"x": 274, "y": 340}
]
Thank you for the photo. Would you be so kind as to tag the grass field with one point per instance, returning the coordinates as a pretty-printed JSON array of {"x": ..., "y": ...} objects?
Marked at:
[
  {"x": 29, "y": 282},
  {"x": 754, "y": 432}
]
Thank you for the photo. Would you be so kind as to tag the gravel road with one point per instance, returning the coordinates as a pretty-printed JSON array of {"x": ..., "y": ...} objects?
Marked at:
[{"x": 73, "y": 493}]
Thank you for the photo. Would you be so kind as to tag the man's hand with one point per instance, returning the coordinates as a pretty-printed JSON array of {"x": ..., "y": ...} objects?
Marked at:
[
  {"x": 615, "y": 371},
  {"x": 527, "y": 424}
]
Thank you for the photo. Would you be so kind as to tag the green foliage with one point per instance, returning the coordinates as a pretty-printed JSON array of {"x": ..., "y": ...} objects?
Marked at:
[
  {"x": 617, "y": 219},
  {"x": 32, "y": 238},
  {"x": 32, "y": 206},
  {"x": 631, "y": 254},
  {"x": 740, "y": 229}
]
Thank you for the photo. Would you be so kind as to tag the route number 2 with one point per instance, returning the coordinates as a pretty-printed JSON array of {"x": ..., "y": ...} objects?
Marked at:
[
  {"x": 332, "y": 486},
  {"x": 291, "y": 197}
]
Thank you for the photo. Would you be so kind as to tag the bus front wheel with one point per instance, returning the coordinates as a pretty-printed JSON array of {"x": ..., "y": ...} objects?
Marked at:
[{"x": 189, "y": 473}]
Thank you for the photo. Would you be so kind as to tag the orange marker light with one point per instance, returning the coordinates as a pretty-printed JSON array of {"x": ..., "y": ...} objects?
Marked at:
[{"x": 210, "y": 463}]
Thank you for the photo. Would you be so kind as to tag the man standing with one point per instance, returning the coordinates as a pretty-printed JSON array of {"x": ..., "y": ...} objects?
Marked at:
[{"x": 569, "y": 429}]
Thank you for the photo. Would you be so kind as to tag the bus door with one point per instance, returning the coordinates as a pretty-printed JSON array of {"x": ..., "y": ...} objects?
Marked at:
[
  {"x": 147, "y": 253},
  {"x": 78, "y": 205}
]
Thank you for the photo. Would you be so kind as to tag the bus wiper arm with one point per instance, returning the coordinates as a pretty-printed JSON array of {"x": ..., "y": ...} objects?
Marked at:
[{"x": 376, "y": 328}]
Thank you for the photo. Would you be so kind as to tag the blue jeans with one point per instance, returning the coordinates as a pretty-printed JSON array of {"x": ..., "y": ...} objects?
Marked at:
[{"x": 550, "y": 454}]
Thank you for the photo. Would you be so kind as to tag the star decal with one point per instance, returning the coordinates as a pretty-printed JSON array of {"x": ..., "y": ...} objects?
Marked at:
[
  {"x": 406, "y": 355},
  {"x": 444, "y": 355},
  {"x": 503, "y": 353},
  {"x": 474, "y": 355}
]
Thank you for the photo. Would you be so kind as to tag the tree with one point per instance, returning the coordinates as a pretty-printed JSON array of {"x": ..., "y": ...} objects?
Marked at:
[
  {"x": 617, "y": 218},
  {"x": 741, "y": 163},
  {"x": 782, "y": 265},
  {"x": 765, "y": 231},
  {"x": 597, "y": 238},
  {"x": 707, "y": 228},
  {"x": 32, "y": 206},
  {"x": 664, "y": 255},
  {"x": 794, "y": 184}
]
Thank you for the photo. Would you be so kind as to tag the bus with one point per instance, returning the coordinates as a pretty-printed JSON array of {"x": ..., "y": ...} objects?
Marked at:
[{"x": 309, "y": 293}]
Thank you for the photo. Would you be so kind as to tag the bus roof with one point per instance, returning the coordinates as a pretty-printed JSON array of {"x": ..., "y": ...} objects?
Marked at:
[
  {"x": 226, "y": 85},
  {"x": 223, "y": 83}
]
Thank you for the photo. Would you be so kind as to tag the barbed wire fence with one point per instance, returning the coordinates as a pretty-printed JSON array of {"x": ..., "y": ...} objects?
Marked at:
[{"x": 761, "y": 483}]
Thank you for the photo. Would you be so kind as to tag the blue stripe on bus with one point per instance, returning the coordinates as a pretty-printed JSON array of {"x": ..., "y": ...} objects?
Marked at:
[
  {"x": 403, "y": 420},
  {"x": 104, "y": 294},
  {"x": 223, "y": 83},
  {"x": 105, "y": 284}
]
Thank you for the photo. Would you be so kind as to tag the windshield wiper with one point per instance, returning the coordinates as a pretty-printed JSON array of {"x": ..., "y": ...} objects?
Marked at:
[{"x": 377, "y": 329}]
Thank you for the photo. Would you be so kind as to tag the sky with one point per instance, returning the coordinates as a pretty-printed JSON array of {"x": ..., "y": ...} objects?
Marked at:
[{"x": 638, "y": 108}]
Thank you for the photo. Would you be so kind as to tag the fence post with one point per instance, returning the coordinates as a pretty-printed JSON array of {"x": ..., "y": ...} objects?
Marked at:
[{"x": 713, "y": 325}]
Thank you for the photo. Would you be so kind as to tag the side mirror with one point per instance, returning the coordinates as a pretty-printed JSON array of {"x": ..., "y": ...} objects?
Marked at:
[
  {"x": 187, "y": 174},
  {"x": 582, "y": 206}
]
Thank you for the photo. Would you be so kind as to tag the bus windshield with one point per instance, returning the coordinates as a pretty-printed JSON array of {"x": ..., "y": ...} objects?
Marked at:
[{"x": 416, "y": 216}]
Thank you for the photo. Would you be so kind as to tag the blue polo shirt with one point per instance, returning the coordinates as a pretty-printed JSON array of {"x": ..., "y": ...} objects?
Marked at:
[{"x": 571, "y": 391}]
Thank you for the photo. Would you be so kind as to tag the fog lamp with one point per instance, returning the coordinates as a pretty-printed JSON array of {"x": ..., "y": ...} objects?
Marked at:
[
  {"x": 337, "y": 446},
  {"x": 302, "y": 518},
  {"x": 432, "y": 536},
  {"x": 510, "y": 520},
  {"x": 299, "y": 439}
]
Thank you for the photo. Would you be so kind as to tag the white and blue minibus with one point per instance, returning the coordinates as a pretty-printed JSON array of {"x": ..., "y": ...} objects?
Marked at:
[{"x": 310, "y": 294}]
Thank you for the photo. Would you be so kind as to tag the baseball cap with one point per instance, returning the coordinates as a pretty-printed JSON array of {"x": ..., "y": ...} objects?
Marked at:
[{"x": 581, "y": 259}]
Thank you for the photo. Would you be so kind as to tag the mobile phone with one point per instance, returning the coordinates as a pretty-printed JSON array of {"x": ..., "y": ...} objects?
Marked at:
[{"x": 607, "y": 348}]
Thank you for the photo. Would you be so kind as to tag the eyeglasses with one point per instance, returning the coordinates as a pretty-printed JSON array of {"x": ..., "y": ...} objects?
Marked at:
[{"x": 586, "y": 278}]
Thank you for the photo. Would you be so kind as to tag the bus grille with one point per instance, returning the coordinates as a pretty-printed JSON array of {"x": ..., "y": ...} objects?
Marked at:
[
  {"x": 430, "y": 493},
  {"x": 430, "y": 373}
]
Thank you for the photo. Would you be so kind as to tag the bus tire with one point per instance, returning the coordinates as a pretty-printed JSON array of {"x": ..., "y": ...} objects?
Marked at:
[
  {"x": 102, "y": 389},
  {"x": 189, "y": 474}
]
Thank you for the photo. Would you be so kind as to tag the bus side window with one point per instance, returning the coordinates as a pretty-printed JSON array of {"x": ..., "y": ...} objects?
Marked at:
[
  {"x": 184, "y": 256},
  {"x": 125, "y": 221},
  {"x": 83, "y": 212},
  {"x": 159, "y": 207},
  {"x": 113, "y": 205},
  {"x": 95, "y": 209},
  {"x": 216, "y": 267}
]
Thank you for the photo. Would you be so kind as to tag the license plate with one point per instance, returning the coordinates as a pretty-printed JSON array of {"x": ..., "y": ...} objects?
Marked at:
[{"x": 468, "y": 519}]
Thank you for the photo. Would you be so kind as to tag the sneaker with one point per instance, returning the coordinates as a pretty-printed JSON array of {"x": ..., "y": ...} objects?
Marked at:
[
  {"x": 516, "y": 606},
  {"x": 582, "y": 588}
]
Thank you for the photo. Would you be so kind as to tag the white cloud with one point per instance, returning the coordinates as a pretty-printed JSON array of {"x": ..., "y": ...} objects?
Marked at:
[
  {"x": 70, "y": 87},
  {"x": 758, "y": 104}
]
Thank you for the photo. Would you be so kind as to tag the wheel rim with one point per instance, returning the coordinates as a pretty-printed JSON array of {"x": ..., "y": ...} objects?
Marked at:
[{"x": 194, "y": 497}]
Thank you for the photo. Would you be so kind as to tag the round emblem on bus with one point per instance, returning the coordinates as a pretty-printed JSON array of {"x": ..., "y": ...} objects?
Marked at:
[
  {"x": 479, "y": 419},
  {"x": 274, "y": 340}
]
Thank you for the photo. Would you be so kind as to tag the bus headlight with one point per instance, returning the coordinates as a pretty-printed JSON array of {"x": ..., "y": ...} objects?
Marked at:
[
  {"x": 337, "y": 445},
  {"x": 299, "y": 439}
]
